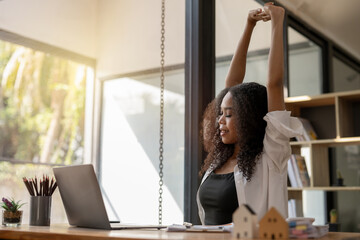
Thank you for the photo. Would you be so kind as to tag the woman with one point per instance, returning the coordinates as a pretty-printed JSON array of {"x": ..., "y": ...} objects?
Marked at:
[{"x": 248, "y": 143}]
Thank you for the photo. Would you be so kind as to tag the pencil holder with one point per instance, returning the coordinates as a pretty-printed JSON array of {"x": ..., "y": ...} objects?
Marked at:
[{"x": 40, "y": 210}]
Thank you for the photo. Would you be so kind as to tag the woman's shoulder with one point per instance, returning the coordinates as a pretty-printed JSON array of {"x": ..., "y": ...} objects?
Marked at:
[
  {"x": 280, "y": 128},
  {"x": 281, "y": 122},
  {"x": 279, "y": 114}
]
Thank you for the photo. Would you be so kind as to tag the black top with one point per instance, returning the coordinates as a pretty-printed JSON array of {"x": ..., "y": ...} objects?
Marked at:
[{"x": 218, "y": 198}]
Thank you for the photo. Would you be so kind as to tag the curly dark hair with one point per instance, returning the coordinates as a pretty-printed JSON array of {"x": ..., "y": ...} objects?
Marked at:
[{"x": 249, "y": 108}]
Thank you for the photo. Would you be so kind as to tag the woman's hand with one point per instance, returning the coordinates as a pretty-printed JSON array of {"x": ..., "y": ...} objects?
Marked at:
[
  {"x": 275, "y": 13},
  {"x": 258, "y": 15}
]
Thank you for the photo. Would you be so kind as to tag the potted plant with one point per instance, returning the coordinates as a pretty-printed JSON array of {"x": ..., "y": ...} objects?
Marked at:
[
  {"x": 340, "y": 179},
  {"x": 11, "y": 213}
]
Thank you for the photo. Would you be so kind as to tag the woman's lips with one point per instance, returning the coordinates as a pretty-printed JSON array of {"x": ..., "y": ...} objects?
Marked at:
[{"x": 223, "y": 132}]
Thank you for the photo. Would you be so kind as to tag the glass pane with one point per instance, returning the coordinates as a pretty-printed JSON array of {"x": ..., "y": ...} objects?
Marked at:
[
  {"x": 42, "y": 109},
  {"x": 231, "y": 16},
  {"x": 345, "y": 77},
  {"x": 42, "y": 106},
  {"x": 345, "y": 163},
  {"x": 313, "y": 202},
  {"x": 130, "y": 147},
  {"x": 314, "y": 206},
  {"x": 305, "y": 65}
]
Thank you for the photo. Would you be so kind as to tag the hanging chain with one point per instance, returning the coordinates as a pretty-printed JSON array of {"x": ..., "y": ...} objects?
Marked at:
[{"x": 161, "y": 141}]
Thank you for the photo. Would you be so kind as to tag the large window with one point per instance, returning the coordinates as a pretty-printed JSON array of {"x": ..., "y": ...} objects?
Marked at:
[
  {"x": 129, "y": 162},
  {"x": 305, "y": 65},
  {"x": 42, "y": 118}
]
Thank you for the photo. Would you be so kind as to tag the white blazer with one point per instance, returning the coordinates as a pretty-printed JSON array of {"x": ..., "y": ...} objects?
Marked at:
[{"x": 268, "y": 185}]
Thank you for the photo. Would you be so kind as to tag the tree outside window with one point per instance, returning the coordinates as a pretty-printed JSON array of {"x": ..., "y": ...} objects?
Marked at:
[{"x": 42, "y": 109}]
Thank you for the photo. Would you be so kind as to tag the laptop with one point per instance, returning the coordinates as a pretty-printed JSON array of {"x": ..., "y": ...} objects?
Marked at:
[{"x": 81, "y": 195}]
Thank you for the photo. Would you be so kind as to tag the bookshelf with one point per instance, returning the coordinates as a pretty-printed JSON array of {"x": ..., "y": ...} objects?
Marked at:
[{"x": 335, "y": 118}]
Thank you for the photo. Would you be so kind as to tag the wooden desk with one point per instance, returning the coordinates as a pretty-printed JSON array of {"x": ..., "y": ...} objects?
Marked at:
[{"x": 58, "y": 231}]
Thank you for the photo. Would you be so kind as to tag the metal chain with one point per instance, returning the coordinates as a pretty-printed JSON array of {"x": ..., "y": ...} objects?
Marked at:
[{"x": 161, "y": 141}]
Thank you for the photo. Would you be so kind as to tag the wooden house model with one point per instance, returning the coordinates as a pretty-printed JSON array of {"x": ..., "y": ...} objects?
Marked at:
[
  {"x": 273, "y": 226},
  {"x": 245, "y": 222}
]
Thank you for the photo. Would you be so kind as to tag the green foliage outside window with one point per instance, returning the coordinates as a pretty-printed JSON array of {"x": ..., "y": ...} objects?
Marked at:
[{"x": 42, "y": 106}]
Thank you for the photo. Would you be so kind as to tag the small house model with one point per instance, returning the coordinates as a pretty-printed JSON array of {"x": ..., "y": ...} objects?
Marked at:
[
  {"x": 273, "y": 226},
  {"x": 245, "y": 222}
]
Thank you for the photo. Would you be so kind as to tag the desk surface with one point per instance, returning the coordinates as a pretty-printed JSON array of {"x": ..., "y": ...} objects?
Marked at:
[{"x": 62, "y": 231}]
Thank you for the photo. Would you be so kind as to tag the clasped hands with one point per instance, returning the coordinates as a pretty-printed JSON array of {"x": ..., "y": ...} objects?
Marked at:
[{"x": 270, "y": 11}]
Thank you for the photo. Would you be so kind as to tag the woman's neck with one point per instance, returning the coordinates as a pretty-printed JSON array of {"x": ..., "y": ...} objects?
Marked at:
[
  {"x": 230, "y": 163},
  {"x": 236, "y": 151}
]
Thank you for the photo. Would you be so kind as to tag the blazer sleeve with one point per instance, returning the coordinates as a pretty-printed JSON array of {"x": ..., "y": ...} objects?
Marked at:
[{"x": 280, "y": 128}]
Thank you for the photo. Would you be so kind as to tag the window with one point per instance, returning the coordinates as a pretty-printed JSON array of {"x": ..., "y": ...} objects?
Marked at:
[
  {"x": 305, "y": 65},
  {"x": 345, "y": 77},
  {"x": 129, "y": 161},
  {"x": 42, "y": 118}
]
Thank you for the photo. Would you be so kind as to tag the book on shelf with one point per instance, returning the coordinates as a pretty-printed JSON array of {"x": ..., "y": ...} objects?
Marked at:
[
  {"x": 295, "y": 208},
  {"x": 291, "y": 174},
  {"x": 309, "y": 132},
  {"x": 297, "y": 171},
  {"x": 303, "y": 172}
]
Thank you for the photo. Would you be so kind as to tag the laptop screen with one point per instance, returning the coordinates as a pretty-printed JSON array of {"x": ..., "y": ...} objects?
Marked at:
[{"x": 81, "y": 196}]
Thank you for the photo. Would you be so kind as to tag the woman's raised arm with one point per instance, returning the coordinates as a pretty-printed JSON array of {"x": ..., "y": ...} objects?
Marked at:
[
  {"x": 238, "y": 63},
  {"x": 275, "y": 82}
]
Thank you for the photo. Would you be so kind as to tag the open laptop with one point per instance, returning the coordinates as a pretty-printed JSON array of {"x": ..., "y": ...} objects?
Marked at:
[{"x": 82, "y": 199}]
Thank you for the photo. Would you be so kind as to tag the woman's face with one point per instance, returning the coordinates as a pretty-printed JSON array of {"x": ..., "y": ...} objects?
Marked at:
[{"x": 227, "y": 121}]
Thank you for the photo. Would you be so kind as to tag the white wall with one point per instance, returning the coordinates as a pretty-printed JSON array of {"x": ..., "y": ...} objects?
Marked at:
[
  {"x": 129, "y": 35},
  {"x": 231, "y": 16},
  {"x": 124, "y": 35},
  {"x": 68, "y": 24}
]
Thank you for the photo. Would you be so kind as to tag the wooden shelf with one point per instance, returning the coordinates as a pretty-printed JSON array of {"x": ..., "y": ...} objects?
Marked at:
[
  {"x": 334, "y": 117},
  {"x": 322, "y": 100},
  {"x": 328, "y": 142},
  {"x": 328, "y": 189},
  {"x": 307, "y": 101}
]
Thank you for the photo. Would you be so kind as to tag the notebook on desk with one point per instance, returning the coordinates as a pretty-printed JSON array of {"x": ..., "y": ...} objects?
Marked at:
[{"x": 81, "y": 195}]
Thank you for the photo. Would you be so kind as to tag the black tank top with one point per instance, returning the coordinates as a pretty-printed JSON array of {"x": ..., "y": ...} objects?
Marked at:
[{"x": 218, "y": 198}]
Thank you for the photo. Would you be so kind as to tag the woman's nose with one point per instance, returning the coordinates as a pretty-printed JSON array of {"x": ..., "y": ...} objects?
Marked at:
[{"x": 221, "y": 119}]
